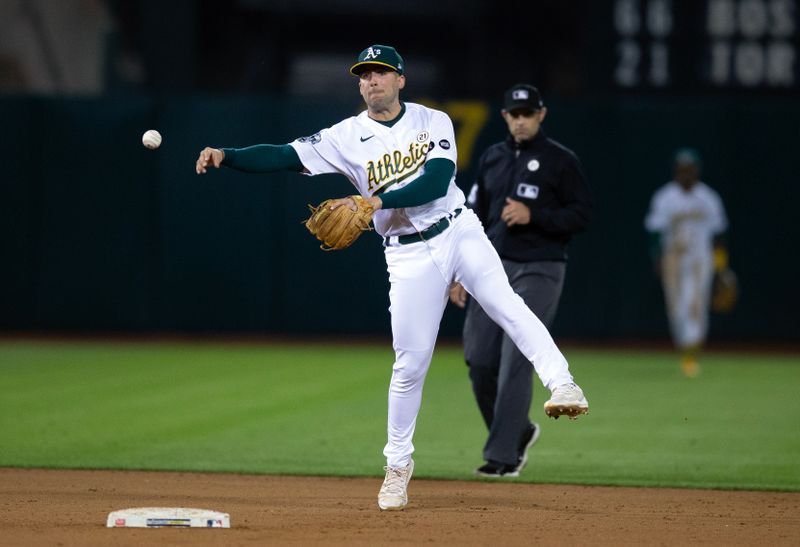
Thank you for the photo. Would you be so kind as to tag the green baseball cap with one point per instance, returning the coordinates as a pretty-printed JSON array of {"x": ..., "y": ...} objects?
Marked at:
[
  {"x": 687, "y": 156},
  {"x": 385, "y": 56}
]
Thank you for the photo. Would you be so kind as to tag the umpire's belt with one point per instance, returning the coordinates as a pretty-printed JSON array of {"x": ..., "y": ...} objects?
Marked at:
[{"x": 428, "y": 233}]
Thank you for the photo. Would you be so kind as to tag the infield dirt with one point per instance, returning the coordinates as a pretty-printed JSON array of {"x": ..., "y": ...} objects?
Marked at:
[{"x": 63, "y": 507}]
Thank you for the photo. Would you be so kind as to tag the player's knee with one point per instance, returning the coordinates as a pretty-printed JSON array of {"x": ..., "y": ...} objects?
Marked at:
[{"x": 410, "y": 368}]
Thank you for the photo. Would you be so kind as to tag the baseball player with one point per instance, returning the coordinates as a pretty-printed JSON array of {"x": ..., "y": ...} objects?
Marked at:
[
  {"x": 401, "y": 157},
  {"x": 687, "y": 222},
  {"x": 532, "y": 197}
]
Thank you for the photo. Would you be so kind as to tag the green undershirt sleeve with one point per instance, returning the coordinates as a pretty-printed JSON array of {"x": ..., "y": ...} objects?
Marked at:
[
  {"x": 428, "y": 187},
  {"x": 263, "y": 158}
]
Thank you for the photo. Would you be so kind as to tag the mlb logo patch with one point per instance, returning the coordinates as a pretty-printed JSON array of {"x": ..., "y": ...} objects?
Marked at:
[
  {"x": 520, "y": 95},
  {"x": 525, "y": 190}
]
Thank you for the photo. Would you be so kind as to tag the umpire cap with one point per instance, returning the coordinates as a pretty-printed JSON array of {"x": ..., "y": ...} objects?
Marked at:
[
  {"x": 522, "y": 96},
  {"x": 385, "y": 56}
]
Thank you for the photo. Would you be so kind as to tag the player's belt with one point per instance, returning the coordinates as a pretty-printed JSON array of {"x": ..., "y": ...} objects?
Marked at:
[{"x": 428, "y": 233}]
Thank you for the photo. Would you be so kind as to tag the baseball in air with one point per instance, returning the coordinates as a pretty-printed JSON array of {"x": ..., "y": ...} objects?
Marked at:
[{"x": 151, "y": 139}]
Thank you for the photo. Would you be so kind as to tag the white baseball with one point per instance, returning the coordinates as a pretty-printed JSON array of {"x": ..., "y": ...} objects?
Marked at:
[{"x": 151, "y": 139}]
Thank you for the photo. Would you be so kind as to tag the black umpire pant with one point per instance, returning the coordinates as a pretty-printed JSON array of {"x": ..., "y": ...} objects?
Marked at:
[{"x": 502, "y": 377}]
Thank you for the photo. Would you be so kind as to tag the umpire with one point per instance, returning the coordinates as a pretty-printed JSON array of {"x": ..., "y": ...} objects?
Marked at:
[{"x": 531, "y": 196}]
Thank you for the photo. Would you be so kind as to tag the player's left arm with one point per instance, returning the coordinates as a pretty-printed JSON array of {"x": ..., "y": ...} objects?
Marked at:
[
  {"x": 429, "y": 186},
  {"x": 440, "y": 166},
  {"x": 720, "y": 252},
  {"x": 719, "y": 224}
]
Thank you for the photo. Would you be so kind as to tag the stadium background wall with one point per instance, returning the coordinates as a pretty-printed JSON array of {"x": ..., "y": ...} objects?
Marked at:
[{"x": 100, "y": 234}]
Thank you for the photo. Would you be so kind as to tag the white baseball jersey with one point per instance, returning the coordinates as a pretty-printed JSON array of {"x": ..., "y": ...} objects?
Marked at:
[
  {"x": 377, "y": 159},
  {"x": 687, "y": 220}
]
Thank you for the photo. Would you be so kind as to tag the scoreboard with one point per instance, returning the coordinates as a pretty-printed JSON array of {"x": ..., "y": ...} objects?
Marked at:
[{"x": 697, "y": 45}]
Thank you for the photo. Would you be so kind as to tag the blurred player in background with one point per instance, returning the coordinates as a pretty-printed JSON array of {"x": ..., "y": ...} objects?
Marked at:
[
  {"x": 531, "y": 196},
  {"x": 687, "y": 223}
]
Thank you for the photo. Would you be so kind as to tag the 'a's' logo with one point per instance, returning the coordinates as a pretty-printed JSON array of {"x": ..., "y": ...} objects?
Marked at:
[{"x": 372, "y": 53}]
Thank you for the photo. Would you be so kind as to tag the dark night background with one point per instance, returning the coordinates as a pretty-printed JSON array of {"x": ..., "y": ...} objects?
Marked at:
[{"x": 101, "y": 235}]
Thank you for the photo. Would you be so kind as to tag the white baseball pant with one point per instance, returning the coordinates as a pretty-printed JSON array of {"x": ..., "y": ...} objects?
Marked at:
[
  {"x": 687, "y": 279},
  {"x": 420, "y": 275}
]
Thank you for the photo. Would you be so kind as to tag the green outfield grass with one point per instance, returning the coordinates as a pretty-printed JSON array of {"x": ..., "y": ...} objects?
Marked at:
[{"x": 321, "y": 410}]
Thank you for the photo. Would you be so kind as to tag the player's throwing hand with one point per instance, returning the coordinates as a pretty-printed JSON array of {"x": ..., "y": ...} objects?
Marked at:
[{"x": 209, "y": 157}]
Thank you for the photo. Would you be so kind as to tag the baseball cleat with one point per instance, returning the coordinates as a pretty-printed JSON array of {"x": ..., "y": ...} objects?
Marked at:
[
  {"x": 493, "y": 469},
  {"x": 690, "y": 367},
  {"x": 394, "y": 492},
  {"x": 566, "y": 400}
]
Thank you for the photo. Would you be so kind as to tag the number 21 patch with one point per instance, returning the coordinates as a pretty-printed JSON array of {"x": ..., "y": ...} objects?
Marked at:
[{"x": 530, "y": 191}]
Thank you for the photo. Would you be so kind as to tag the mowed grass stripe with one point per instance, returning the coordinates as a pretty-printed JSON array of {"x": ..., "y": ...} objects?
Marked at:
[{"x": 321, "y": 410}]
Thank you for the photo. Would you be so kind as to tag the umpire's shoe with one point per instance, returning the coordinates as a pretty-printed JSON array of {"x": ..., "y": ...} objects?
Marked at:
[
  {"x": 494, "y": 469},
  {"x": 567, "y": 400},
  {"x": 528, "y": 440},
  {"x": 394, "y": 492}
]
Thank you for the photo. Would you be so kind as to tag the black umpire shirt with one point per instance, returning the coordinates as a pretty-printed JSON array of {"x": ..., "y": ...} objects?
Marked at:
[{"x": 545, "y": 176}]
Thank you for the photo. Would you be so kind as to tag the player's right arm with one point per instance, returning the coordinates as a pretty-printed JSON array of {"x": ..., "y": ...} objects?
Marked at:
[
  {"x": 656, "y": 222},
  {"x": 261, "y": 158},
  {"x": 658, "y": 218}
]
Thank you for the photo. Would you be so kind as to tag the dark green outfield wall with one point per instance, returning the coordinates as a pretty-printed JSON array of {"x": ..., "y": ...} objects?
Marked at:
[{"x": 97, "y": 233}]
